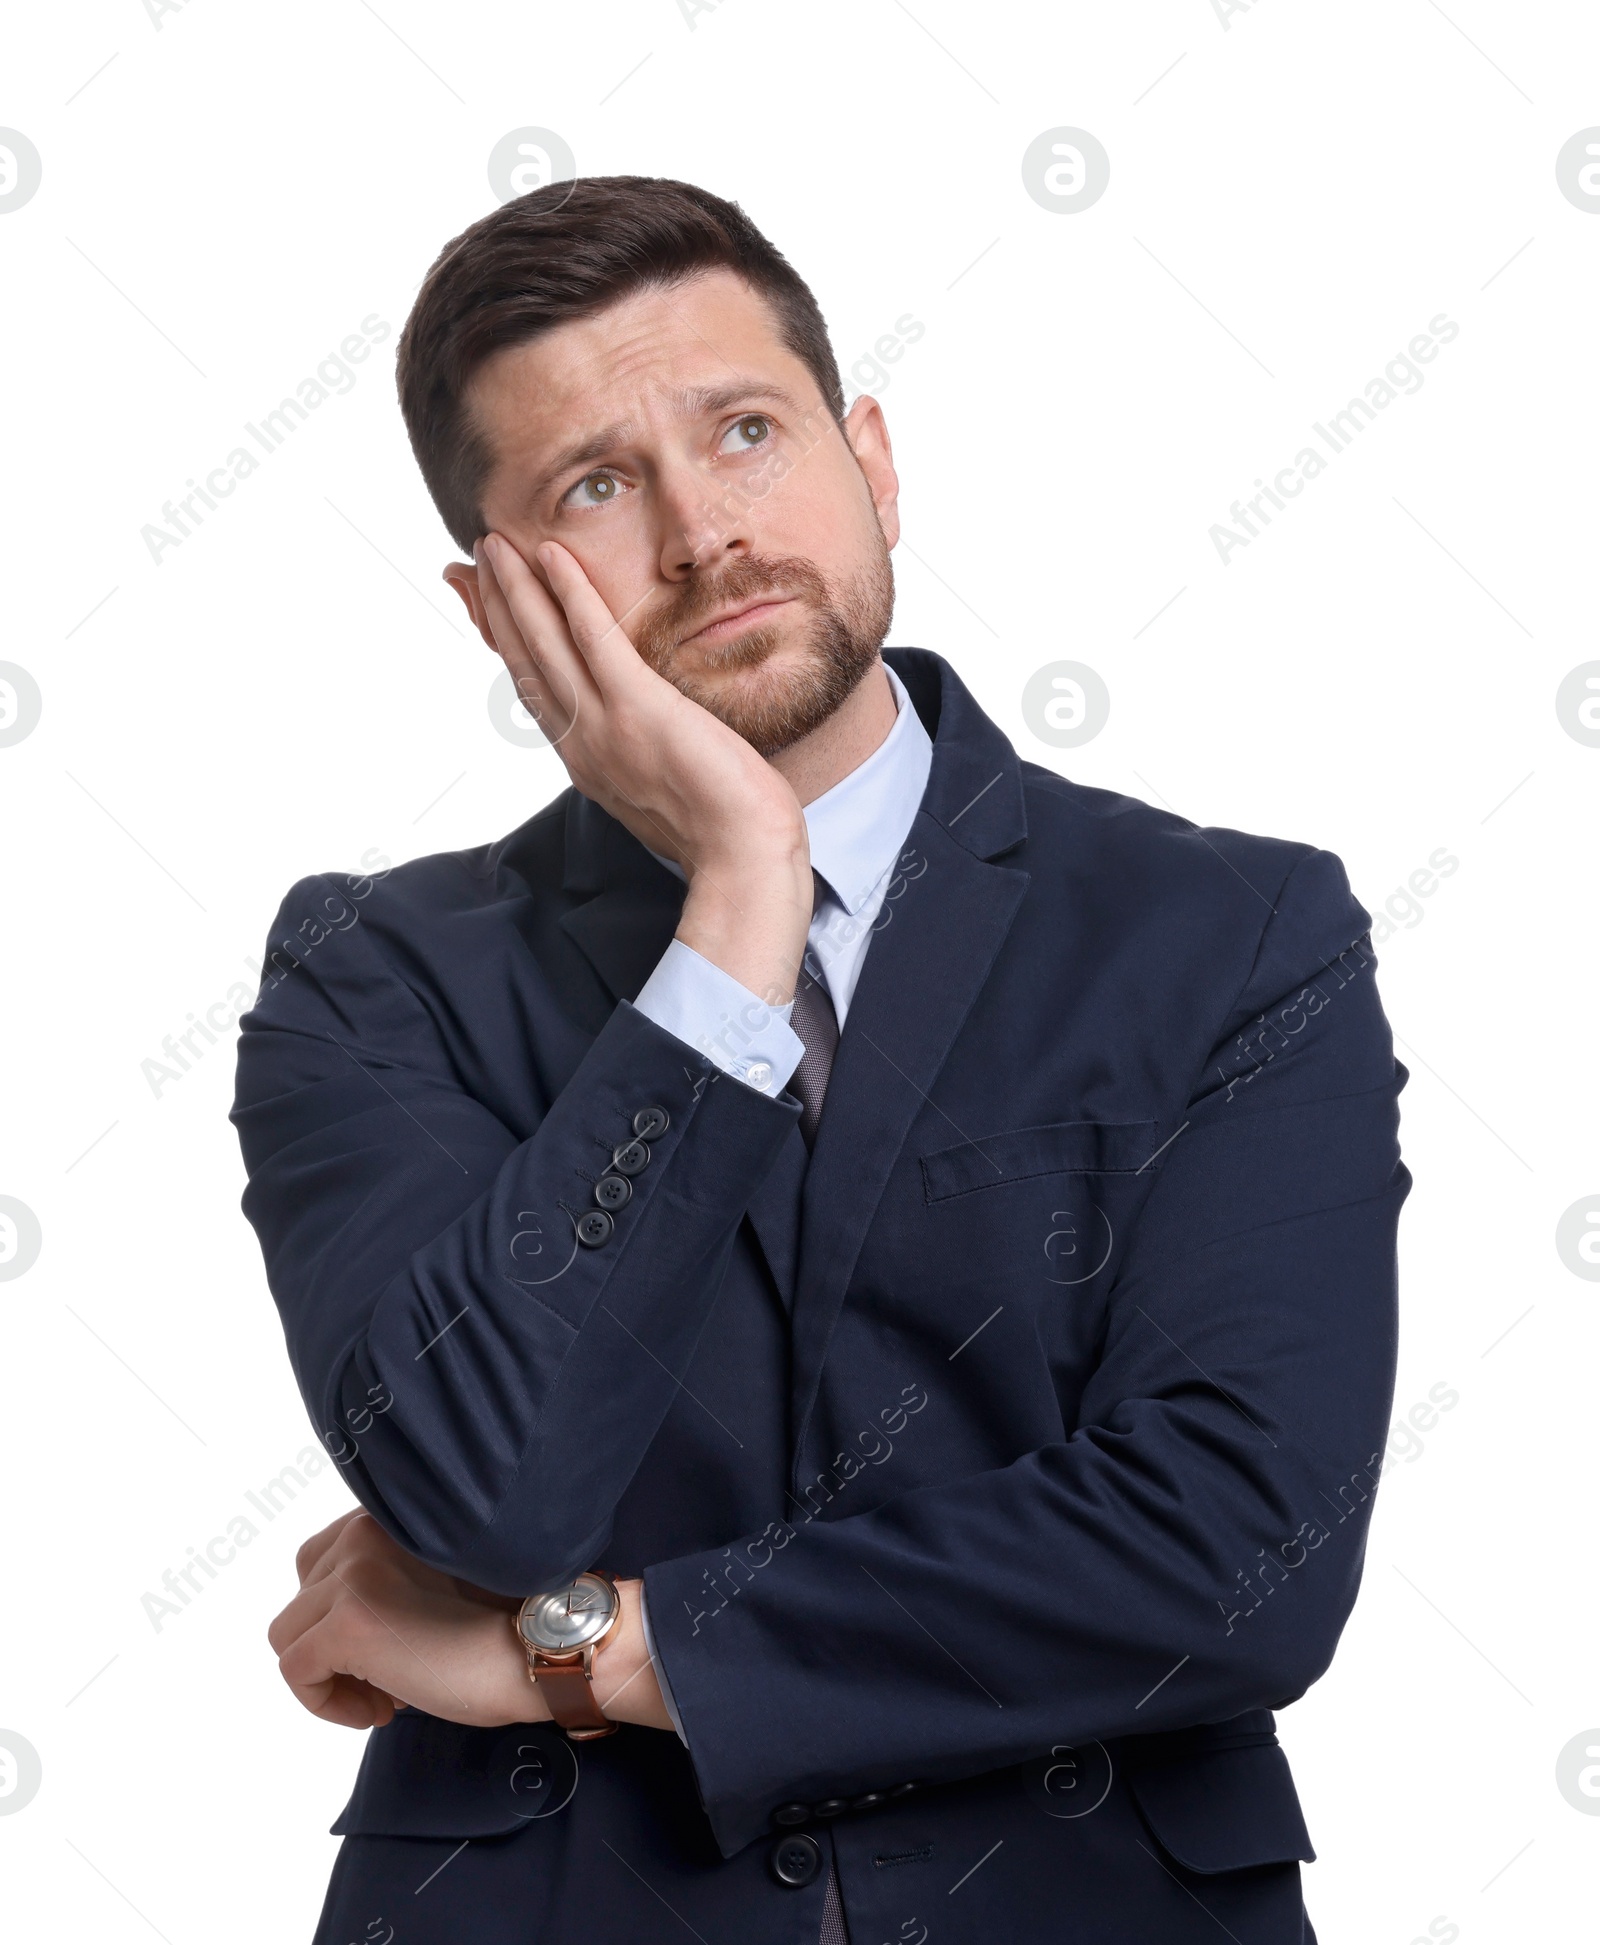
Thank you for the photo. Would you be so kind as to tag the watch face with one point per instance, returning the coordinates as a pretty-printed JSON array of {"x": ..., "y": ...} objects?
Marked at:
[{"x": 571, "y": 1617}]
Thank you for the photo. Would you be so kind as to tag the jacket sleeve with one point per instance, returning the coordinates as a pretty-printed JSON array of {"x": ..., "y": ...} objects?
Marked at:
[
  {"x": 1191, "y": 1548},
  {"x": 488, "y": 1383}
]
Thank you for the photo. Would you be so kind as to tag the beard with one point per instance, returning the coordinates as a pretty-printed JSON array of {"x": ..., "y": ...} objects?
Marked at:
[{"x": 841, "y": 634}]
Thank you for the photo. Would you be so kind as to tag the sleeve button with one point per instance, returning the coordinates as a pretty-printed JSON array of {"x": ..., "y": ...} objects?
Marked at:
[
  {"x": 594, "y": 1227},
  {"x": 830, "y": 1806},
  {"x": 650, "y": 1122},
  {"x": 796, "y": 1861},
  {"x": 792, "y": 1813},
  {"x": 631, "y": 1158},
  {"x": 613, "y": 1191}
]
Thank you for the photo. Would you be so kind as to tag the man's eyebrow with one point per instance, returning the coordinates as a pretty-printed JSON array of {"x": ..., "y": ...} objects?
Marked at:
[{"x": 694, "y": 401}]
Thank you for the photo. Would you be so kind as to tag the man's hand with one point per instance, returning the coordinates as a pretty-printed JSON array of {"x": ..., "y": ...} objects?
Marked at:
[
  {"x": 372, "y": 1630},
  {"x": 681, "y": 781}
]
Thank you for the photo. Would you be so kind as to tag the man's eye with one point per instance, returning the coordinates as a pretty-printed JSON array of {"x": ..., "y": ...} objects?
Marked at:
[
  {"x": 594, "y": 490},
  {"x": 746, "y": 433}
]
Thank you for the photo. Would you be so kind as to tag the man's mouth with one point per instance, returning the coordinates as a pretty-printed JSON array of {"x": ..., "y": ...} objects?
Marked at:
[{"x": 734, "y": 621}]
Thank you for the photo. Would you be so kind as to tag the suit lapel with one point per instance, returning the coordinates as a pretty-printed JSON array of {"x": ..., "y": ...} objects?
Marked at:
[
  {"x": 926, "y": 965},
  {"x": 774, "y": 1214},
  {"x": 634, "y": 904},
  {"x": 624, "y": 930},
  {"x": 919, "y": 979}
]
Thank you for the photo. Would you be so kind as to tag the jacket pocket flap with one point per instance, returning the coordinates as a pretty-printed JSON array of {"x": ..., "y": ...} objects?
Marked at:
[
  {"x": 424, "y": 1777},
  {"x": 1224, "y": 1809},
  {"x": 1067, "y": 1148}
]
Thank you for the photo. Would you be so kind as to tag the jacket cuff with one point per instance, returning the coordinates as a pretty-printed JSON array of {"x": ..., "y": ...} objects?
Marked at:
[{"x": 662, "y": 1682}]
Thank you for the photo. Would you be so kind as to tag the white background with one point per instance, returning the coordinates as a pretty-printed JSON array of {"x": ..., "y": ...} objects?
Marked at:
[{"x": 228, "y": 193}]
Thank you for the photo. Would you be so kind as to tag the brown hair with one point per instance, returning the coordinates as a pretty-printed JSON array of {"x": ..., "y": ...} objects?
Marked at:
[{"x": 567, "y": 251}]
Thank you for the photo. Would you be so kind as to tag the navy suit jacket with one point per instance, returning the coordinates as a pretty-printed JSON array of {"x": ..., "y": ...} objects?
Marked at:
[{"x": 994, "y": 1472}]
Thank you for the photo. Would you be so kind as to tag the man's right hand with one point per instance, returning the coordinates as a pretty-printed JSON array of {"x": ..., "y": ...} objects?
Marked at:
[{"x": 682, "y": 782}]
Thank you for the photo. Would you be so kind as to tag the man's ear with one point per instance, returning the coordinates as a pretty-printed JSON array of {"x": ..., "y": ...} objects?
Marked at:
[
  {"x": 463, "y": 577},
  {"x": 868, "y": 437}
]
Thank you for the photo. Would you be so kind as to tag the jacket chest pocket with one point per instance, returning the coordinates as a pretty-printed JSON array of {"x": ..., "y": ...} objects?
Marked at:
[
  {"x": 1053, "y": 1202},
  {"x": 1101, "y": 1148}
]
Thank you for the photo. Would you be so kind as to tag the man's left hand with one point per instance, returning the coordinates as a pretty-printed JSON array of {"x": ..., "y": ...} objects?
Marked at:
[{"x": 372, "y": 1630}]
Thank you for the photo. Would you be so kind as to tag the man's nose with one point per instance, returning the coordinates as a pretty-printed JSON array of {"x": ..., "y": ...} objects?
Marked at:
[{"x": 703, "y": 524}]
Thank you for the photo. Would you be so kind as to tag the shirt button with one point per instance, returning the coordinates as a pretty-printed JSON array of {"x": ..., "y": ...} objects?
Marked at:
[
  {"x": 796, "y": 1861},
  {"x": 612, "y": 1191},
  {"x": 791, "y": 1813},
  {"x": 650, "y": 1122},
  {"x": 758, "y": 1073},
  {"x": 593, "y": 1228},
  {"x": 632, "y": 1158}
]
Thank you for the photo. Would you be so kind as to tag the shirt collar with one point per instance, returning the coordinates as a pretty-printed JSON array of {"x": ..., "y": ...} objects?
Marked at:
[{"x": 858, "y": 827}]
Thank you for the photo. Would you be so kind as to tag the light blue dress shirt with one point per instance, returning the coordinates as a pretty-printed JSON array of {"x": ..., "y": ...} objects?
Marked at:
[{"x": 858, "y": 831}]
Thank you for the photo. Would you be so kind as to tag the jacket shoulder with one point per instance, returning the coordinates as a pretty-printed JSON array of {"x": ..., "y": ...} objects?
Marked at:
[
  {"x": 424, "y": 890},
  {"x": 1242, "y": 906},
  {"x": 1128, "y": 832}
]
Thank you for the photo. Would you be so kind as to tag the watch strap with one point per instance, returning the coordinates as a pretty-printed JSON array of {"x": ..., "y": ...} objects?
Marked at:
[{"x": 565, "y": 1684}]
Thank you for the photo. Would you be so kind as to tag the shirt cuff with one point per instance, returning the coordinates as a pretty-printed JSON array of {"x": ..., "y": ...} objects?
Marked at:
[
  {"x": 661, "y": 1674},
  {"x": 712, "y": 1012}
]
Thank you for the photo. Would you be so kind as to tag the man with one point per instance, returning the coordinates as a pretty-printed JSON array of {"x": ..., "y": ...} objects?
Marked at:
[{"x": 852, "y": 1277}]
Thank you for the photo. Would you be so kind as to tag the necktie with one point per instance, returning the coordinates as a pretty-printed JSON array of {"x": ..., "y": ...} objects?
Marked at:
[
  {"x": 815, "y": 1021},
  {"x": 817, "y": 1024}
]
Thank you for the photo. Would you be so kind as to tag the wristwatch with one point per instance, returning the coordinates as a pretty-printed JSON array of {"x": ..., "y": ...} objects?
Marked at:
[{"x": 562, "y": 1632}]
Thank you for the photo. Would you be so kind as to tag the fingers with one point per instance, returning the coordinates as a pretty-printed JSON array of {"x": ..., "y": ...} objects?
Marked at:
[
  {"x": 372, "y": 1629},
  {"x": 311, "y": 1605},
  {"x": 317, "y": 1548},
  {"x": 600, "y": 636},
  {"x": 314, "y": 1670},
  {"x": 356, "y": 1541},
  {"x": 301, "y": 1641},
  {"x": 315, "y": 1643},
  {"x": 353, "y": 1704},
  {"x": 534, "y": 689},
  {"x": 532, "y": 635},
  {"x": 349, "y": 1703}
]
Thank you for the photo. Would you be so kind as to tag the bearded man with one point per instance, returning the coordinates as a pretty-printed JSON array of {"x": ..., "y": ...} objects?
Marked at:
[{"x": 851, "y": 1276}]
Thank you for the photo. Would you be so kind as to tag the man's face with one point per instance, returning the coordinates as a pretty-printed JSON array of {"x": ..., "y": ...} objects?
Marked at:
[{"x": 685, "y": 456}]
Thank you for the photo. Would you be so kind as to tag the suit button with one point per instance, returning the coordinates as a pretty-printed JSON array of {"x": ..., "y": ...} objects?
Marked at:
[
  {"x": 830, "y": 1806},
  {"x": 650, "y": 1122},
  {"x": 796, "y": 1861},
  {"x": 632, "y": 1158},
  {"x": 870, "y": 1801},
  {"x": 790, "y": 1813},
  {"x": 903, "y": 1789},
  {"x": 594, "y": 1226},
  {"x": 612, "y": 1191}
]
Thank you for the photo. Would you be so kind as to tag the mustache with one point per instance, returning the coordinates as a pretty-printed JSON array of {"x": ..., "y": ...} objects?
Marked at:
[{"x": 742, "y": 581}]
